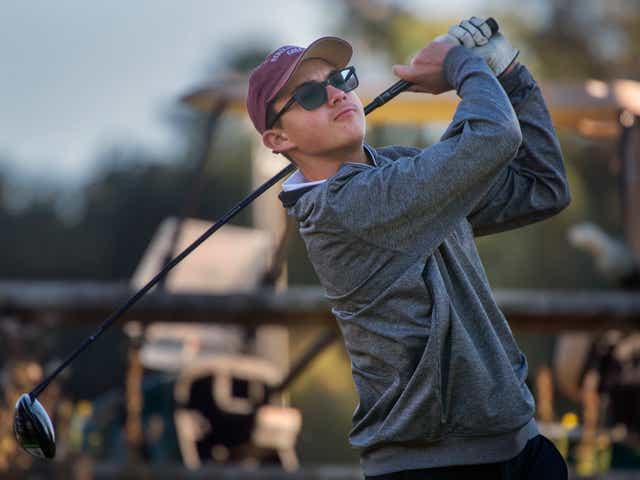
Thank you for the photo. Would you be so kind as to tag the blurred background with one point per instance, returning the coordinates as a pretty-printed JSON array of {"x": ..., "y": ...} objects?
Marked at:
[{"x": 121, "y": 125}]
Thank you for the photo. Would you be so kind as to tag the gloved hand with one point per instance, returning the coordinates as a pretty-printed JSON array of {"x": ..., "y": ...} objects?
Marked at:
[{"x": 476, "y": 35}]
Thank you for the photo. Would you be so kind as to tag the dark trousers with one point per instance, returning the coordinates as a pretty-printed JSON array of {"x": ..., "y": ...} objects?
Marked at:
[{"x": 538, "y": 460}]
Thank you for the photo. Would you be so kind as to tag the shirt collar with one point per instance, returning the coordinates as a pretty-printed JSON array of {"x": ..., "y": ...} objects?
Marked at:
[{"x": 297, "y": 180}]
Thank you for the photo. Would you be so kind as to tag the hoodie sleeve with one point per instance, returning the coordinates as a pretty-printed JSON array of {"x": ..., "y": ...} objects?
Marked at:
[
  {"x": 534, "y": 185},
  {"x": 411, "y": 204}
]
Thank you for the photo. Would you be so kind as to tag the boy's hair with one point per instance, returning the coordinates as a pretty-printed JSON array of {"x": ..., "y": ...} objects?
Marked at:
[
  {"x": 271, "y": 113},
  {"x": 272, "y": 75}
]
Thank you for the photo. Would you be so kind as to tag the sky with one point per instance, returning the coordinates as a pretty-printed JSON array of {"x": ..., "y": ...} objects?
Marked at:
[{"x": 78, "y": 77}]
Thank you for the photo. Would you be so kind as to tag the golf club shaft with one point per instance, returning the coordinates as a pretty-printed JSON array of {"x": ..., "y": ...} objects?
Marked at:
[
  {"x": 379, "y": 101},
  {"x": 140, "y": 293},
  {"x": 391, "y": 92}
]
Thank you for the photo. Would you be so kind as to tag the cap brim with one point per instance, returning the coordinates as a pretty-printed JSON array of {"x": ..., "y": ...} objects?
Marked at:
[{"x": 333, "y": 50}]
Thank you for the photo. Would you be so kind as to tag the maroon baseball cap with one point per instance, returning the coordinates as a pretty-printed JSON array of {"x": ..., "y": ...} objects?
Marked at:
[{"x": 270, "y": 77}]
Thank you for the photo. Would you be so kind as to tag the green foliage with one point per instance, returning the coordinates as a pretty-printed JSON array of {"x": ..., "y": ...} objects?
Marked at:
[
  {"x": 122, "y": 207},
  {"x": 390, "y": 30}
]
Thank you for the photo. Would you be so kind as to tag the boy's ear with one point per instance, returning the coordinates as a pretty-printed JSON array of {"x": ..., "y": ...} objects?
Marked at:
[{"x": 277, "y": 140}]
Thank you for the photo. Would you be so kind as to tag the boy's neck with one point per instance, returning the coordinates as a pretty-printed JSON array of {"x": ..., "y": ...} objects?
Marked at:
[{"x": 321, "y": 169}]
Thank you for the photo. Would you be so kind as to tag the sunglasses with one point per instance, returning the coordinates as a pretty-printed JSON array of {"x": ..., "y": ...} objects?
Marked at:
[{"x": 312, "y": 95}]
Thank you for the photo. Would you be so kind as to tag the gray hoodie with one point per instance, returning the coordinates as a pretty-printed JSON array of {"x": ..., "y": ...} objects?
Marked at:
[{"x": 440, "y": 378}]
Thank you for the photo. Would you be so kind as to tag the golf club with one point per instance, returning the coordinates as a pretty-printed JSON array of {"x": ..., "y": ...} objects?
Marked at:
[{"x": 32, "y": 426}]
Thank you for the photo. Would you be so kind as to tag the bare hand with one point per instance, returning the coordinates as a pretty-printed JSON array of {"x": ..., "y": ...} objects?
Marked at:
[{"x": 425, "y": 70}]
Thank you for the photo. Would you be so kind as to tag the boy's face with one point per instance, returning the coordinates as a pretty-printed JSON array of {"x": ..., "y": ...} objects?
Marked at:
[{"x": 336, "y": 126}]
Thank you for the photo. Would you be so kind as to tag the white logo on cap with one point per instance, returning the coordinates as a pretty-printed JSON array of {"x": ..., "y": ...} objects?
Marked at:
[{"x": 285, "y": 50}]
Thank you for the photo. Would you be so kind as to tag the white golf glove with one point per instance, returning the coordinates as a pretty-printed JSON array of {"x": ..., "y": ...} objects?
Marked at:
[{"x": 476, "y": 34}]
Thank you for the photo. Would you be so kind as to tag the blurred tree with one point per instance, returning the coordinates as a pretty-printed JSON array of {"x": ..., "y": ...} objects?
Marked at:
[
  {"x": 582, "y": 39},
  {"x": 388, "y": 28},
  {"x": 122, "y": 206},
  {"x": 247, "y": 58}
]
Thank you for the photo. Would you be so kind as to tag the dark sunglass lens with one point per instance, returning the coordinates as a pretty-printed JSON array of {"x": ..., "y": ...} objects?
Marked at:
[
  {"x": 311, "y": 95},
  {"x": 337, "y": 79},
  {"x": 350, "y": 79},
  {"x": 345, "y": 79}
]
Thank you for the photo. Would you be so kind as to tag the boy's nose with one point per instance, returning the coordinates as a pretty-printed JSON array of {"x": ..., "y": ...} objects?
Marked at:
[{"x": 335, "y": 94}]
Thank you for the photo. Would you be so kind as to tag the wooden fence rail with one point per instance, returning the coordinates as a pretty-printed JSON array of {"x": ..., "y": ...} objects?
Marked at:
[{"x": 86, "y": 303}]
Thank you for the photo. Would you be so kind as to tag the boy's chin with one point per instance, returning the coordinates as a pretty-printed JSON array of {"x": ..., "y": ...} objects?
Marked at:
[{"x": 351, "y": 133}]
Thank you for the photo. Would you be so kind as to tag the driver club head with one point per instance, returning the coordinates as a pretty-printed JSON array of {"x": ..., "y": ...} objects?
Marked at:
[{"x": 33, "y": 428}]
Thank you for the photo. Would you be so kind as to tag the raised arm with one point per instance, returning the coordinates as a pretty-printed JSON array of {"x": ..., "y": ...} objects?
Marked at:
[
  {"x": 411, "y": 204},
  {"x": 534, "y": 185}
]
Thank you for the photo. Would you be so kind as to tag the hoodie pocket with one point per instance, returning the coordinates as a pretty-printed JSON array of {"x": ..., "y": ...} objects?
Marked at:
[
  {"x": 393, "y": 409},
  {"x": 485, "y": 395}
]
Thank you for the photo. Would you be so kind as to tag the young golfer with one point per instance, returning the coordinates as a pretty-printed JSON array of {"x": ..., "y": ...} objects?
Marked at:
[{"x": 390, "y": 232}]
